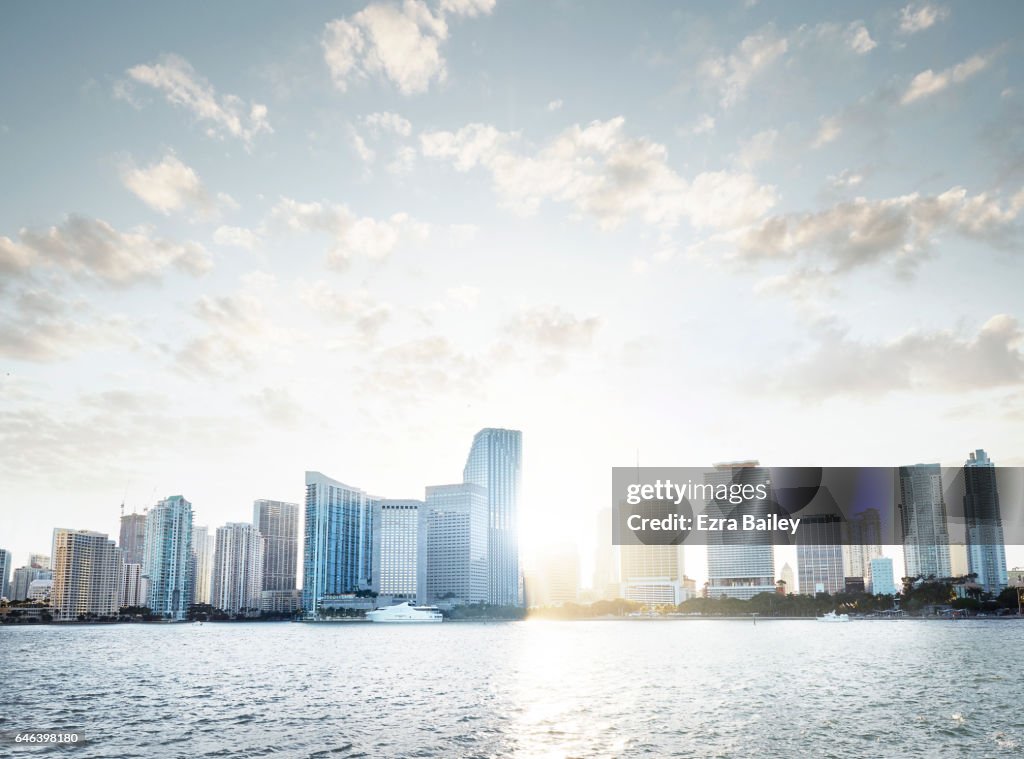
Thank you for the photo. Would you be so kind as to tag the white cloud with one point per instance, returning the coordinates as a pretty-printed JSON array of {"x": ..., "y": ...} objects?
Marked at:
[
  {"x": 93, "y": 249},
  {"x": 757, "y": 149},
  {"x": 238, "y": 237},
  {"x": 184, "y": 87},
  {"x": 845, "y": 179},
  {"x": 388, "y": 122},
  {"x": 465, "y": 296},
  {"x": 551, "y": 327},
  {"x": 555, "y": 105},
  {"x": 917, "y": 17},
  {"x": 351, "y": 236},
  {"x": 859, "y": 38},
  {"x": 401, "y": 43},
  {"x": 365, "y": 153},
  {"x": 901, "y": 229},
  {"x": 733, "y": 74},
  {"x": 601, "y": 172},
  {"x": 705, "y": 124},
  {"x": 170, "y": 185},
  {"x": 829, "y": 130},
  {"x": 922, "y": 361},
  {"x": 356, "y": 308},
  {"x": 928, "y": 82}
]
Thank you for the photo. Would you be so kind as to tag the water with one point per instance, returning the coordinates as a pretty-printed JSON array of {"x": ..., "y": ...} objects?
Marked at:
[{"x": 698, "y": 688}]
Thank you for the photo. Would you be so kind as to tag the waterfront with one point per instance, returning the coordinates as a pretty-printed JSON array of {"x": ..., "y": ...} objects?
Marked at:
[{"x": 603, "y": 688}]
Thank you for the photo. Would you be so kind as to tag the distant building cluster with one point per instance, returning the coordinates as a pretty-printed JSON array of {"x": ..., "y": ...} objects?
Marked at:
[
  {"x": 833, "y": 555},
  {"x": 459, "y": 545}
]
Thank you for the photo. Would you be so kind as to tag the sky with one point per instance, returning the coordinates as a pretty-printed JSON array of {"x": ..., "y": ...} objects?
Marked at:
[{"x": 243, "y": 240}]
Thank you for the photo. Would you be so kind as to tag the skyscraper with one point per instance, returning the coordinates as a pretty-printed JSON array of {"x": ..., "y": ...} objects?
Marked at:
[
  {"x": 5, "y": 573},
  {"x": 652, "y": 574},
  {"x": 882, "y": 583},
  {"x": 397, "y": 546},
  {"x": 865, "y": 543},
  {"x": 25, "y": 576},
  {"x": 456, "y": 539},
  {"x": 337, "y": 540},
  {"x": 201, "y": 564},
  {"x": 741, "y": 564},
  {"x": 278, "y": 523},
  {"x": 986, "y": 554},
  {"x": 133, "y": 590},
  {"x": 133, "y": 537},
  {"x": 167, "y": 556},
  {"x": 39, "y": 561},
  {"x": 819, "y": 555},
  {"x": 87, "y": 574},
  {"x": 495, "y": 463},
  {"x": 788, "y": 579},
  {"x": 923, "y": 517},
  {"x": 237, "y": 568}
]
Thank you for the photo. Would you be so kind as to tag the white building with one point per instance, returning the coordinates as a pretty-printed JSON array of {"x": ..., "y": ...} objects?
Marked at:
[
  {"x": 87, "y": 569},
  {"x": 237, "y": 568},
  {"x": 39, "y": 590},
  {"x": 23, "y": 577},
  {"x": 397, "y": 541},
  {"x": 133, "y": 592},
  {"x": 923, "y": 519}
]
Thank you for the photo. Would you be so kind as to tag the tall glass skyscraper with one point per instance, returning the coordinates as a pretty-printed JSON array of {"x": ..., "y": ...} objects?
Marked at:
[
  {"x": 986, "y": 554},
  {"x": 337, "y": 542},
  {"x": 495, "y": 463},
  {"x": 819, "y": 555},
  {"x": 167, "y": 558},
  {"x": 923, "y": 517},
  {"x": 201, "y": 564},
  {"x": 865, "y": 543},
  {"x": 133, "y": 537},
  {"x": 5, "y": 573},
  {"x": 741, "y": 564}
]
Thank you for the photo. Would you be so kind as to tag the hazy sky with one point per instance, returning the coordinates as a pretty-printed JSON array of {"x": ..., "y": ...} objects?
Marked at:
[{"x": 243, "y": 240}]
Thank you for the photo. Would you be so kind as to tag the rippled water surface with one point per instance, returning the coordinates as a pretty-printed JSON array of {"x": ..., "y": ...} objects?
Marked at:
[{"x": 572, "y": 689}]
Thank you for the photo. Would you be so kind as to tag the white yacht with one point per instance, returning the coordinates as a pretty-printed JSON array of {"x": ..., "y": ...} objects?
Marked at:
[
  {"x": 833, "y": 617},
  {"x": 405, "y": 612}
]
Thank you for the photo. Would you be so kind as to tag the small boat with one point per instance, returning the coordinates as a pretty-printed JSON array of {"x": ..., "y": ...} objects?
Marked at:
[
  {"x": 406, "y": 612},
  {"x": 833, "y": 617}
]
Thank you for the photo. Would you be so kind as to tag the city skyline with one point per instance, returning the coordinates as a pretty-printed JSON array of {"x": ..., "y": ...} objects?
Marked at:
[{"x": 764, "y": 213}]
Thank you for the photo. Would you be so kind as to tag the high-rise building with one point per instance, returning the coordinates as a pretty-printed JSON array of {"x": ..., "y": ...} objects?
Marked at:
[
  {"x": 559, "y": 579},
  {"x": 882, "y": 582},
  {"x": 923, "y": 518},
  {"x": 606, "y": 572},
  {"x": 337, "y": 546},
  {"x": 495, "y": 464},
  {"x": 39, "y": 561},
  {"x": 87, "y": 571},
  {"x": 397, "y": 547},
  {"x": 741, "y": 563},
  {"x": 986, "y": 554},
  {"x": 456, "y": 531},
  {"x": 133, "y": 591},
  {"x": 25, "y": 576},
  {"x": 5, "y": 573},
  {"x": 237, "y": 568},
  {"x": 278, "y": 523},
  {"x": 819, "y": 555},
  {"x": 167, "y": 557},
  {"x": 39, "y": 591},
  {"x": 652, "y": 574},
  {"x": 133, "y": 537},
  {"x": 865, "y": 543},
  {"x": 200, "y": 564},
  {"x": 788, "y": 579}
]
